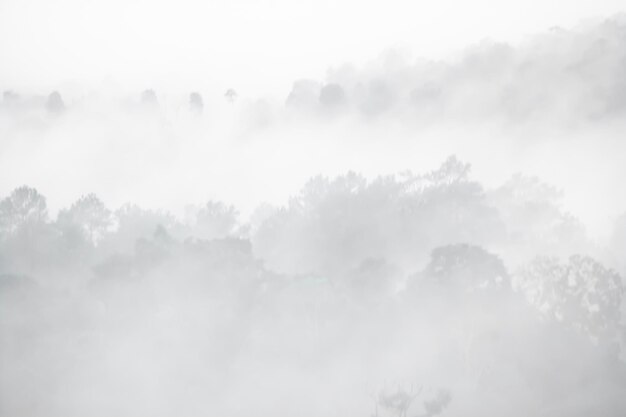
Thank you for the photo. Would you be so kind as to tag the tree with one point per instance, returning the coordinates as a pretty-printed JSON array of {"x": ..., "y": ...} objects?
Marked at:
[
  {"x": 334, "y": 225},
  {"x": 231, "y": 95},
  {"x": 534, "y": 221},
  {"x": 195, "y": 102},
  {"x": 27, "y": 240},
  {"x": 581, "y": 293},
  {"x": 450, "y": 207},
  {"x": 451, "y": 171},
  {"x": 437, "y": 404},
  {"x": 215, "y": 220},
  {"x": 54, "y": 103},
  {"x": 373, "y": 280},
  {"x": 133, "y": 222},
  {"x": 467, "y": 268},
  {"x": 149, "y": 97},
  {"x": 618, "y": 244},
  {"x": 24, "y": 205},
  {"x": 332, "y": 95},
  {"x": 397, "y": 402},
  {"x": 304, "y": 95},
  {"x": 88, "y": 216},
  {"x": 468, "y": 290},
  {"x": 9, "y": 96},
  {"x": 378, "y": 97}
]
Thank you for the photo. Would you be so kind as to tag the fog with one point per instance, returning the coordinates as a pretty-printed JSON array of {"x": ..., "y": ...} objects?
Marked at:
[{"x": 396, "y": 236}]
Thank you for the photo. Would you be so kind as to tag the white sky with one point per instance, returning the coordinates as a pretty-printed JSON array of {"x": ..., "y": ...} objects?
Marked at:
[{"x": 257, "y": 46}]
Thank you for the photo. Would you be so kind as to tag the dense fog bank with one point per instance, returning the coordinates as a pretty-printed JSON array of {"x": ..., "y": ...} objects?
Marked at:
[{"x": 552, "y": 106}]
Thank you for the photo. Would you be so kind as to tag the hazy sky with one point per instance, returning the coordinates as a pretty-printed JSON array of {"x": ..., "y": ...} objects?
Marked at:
[{"x": 257, "y": 46}]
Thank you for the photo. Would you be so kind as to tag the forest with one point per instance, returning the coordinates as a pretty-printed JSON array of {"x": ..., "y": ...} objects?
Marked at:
[
  {"x": 418, "y": 294},
  {"x": 399, "y": 237}
]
